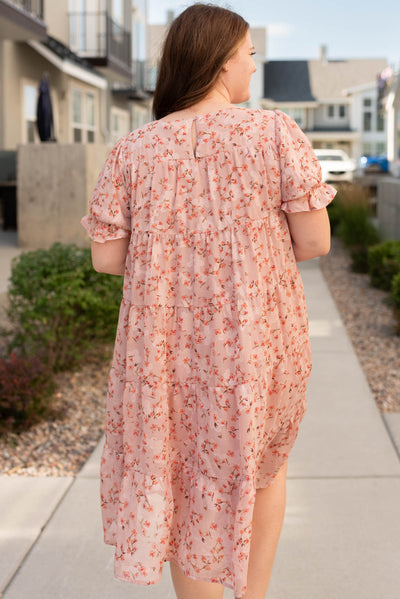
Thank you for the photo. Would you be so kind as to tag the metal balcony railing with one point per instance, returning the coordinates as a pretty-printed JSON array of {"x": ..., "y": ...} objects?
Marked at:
[
  {"x": 33, "y": 7},
  {"x": 97, "y": 37},
  {"x": 139, "y": 75}
]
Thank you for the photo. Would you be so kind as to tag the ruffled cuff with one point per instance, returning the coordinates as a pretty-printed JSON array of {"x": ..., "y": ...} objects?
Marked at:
[
  {"x": 100, "y": 231},
  {"x": 318, "y": 197}
]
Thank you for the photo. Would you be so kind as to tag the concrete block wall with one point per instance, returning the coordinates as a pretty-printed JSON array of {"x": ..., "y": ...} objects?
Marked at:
[
  {"x": 388, "y": 208},
  {"x": 54, "y": 184}
]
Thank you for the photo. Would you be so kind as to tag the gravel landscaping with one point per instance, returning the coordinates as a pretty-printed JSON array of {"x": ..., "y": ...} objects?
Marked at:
[
  {"x": 370, "y": 324},
  {"x": 61, "y": 447}
]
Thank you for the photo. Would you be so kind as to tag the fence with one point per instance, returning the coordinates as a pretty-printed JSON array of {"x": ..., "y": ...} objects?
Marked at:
[
  {"x": 95, "y": 35},
  {"x": 34, "y": 7},
  {"x": 388, "y": 208}
]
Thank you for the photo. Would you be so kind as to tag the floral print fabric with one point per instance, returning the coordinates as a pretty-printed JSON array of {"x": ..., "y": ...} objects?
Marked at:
[{"x": 212, "y": 356}]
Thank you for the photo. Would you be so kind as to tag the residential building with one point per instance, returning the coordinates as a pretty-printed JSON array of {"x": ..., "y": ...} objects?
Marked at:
[
  {"x": 259, "y": 39},
  {"x": 391, "y": 102},
  {"x": 334, "y": 101},
  {"x": 91, "y": 52}
]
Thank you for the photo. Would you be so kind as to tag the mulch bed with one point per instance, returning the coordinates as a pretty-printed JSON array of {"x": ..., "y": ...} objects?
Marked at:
[{"x": 61, "y": 447}]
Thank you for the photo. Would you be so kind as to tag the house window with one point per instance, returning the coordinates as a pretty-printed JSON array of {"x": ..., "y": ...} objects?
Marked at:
[
  {"x": 30, "y": 101},
  {"x": 367, "y": 114},
  {"x": 140, "y": 117},
  {"x": 78, "y": 25},
  {"x": 367, "y": 149},
  {"x": 90, "y": 117},
  {"x": 83, "y": 117},
  {"x": 139, "y": 41},
  {"x": 118, "y": 11},
  {"x": 119, "y": 124},
  {"x": 336, "y": 111},
  {"x": 380, "y": 121},
  {"x": 381, "y": 148},
  {"x": 297, "y": 114},
  {"x": 367, "y": 121}
]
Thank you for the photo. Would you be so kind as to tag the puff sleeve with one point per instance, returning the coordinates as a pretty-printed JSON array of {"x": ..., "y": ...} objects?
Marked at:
[
  {"x": 302, "y": 188},
  {"x": 109, "y": 208}
]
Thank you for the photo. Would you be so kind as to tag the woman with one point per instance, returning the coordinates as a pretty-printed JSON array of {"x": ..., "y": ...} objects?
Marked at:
[{"x": 205, "y": 211}]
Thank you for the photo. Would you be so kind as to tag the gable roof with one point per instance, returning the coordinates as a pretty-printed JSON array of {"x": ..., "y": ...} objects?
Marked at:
[
  {"x": 316, "y": 80},
  {"x": 287, "y": 81}
]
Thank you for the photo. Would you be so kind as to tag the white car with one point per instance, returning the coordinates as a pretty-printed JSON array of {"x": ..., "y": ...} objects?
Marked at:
[{"x": 336, "y": 166}]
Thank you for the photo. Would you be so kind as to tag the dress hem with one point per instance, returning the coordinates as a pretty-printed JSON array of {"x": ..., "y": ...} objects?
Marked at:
[{"x": 158, "y": 580}]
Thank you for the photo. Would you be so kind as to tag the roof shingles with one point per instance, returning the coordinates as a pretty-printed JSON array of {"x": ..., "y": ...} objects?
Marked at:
[{"x": 316, "y": 80}]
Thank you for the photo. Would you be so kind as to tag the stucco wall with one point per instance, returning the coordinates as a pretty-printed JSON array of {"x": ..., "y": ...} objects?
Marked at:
[
  {"x": 24, "y": 65},
  {"x": 388, "y": 208},
  {"x": 55, "y": 182},
  {"x": 56, "y": 17}
]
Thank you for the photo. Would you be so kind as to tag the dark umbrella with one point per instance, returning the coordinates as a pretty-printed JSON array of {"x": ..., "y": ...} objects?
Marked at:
[{"x": 44, "y": 112}]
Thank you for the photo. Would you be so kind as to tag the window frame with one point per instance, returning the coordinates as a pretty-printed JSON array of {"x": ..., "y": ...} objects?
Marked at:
[
  {"x": 87, "y": 130},
  {"x": 116, "y": 134},
  {"x": 328, "y": 111},
  {"x": 298, "y": 114},
  {"x": 380, "y": 122},
  {"x": 367, "y": 148},
  {"x": 25, "y": 119},
  {"x": 333, "y": 112},
  {"x": 367, "y": 114},
  {"x": 381, "y": 148}
]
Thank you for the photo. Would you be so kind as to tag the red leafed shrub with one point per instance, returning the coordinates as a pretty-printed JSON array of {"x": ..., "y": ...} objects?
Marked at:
[{"x": 26, "y": 385}]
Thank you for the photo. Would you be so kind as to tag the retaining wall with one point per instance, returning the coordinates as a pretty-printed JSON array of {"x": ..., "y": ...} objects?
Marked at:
[{"x": 54, "y": 184}]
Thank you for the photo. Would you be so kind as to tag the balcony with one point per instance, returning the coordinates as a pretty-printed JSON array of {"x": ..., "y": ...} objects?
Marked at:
[
  {"x": 22, "y": 20},
  {"x": 103, "y": 42},
  {"x": 141, "y": 87}
]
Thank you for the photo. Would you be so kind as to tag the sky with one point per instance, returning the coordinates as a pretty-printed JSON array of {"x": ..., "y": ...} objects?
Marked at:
[{"x": 297, "y": 28}]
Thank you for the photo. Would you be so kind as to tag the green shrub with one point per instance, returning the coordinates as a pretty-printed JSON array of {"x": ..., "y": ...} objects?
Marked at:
[
  {"x": 335, "y": 211},
  {"x": 26, "y": 385},
  {"x": 354, "y": 226},
  {"x": 395, "y": 291},
  {"x": 383, "y": 264},
  {"x": 60, "y": 306}
]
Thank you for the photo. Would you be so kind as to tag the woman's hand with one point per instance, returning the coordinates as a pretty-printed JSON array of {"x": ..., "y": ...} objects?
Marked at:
[
  {"x": 109, "y": 257},
  {"x": 310, "y": 233}
]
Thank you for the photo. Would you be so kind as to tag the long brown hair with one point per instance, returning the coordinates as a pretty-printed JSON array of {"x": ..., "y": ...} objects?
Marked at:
[{"x": 199, "y": 42}]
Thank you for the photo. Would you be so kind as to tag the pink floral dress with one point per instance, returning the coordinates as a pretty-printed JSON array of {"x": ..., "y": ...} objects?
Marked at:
[{"x": 212, "y": 356}]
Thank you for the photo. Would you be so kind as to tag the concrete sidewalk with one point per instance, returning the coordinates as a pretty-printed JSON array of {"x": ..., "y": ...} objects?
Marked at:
[
  {"x": 341, "y": 536},
  {"x": 8, "y": 250}
]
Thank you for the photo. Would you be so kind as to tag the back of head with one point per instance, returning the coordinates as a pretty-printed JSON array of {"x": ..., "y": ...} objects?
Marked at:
[{"x": 199, "y": 42}]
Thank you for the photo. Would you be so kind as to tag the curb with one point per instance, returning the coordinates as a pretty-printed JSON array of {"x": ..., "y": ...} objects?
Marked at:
[{"x": 391, "y": 421}]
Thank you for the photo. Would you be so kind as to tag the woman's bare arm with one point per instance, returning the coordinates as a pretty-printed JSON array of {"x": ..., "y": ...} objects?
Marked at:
[
  {"x": 109, "y": 257},
  {"x": 310, "y": 233}
]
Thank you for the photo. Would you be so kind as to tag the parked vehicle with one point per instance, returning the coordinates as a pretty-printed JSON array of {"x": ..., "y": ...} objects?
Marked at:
[
  {"x": 336, "y": 166},
  {"x": 374, "y": 164}
]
